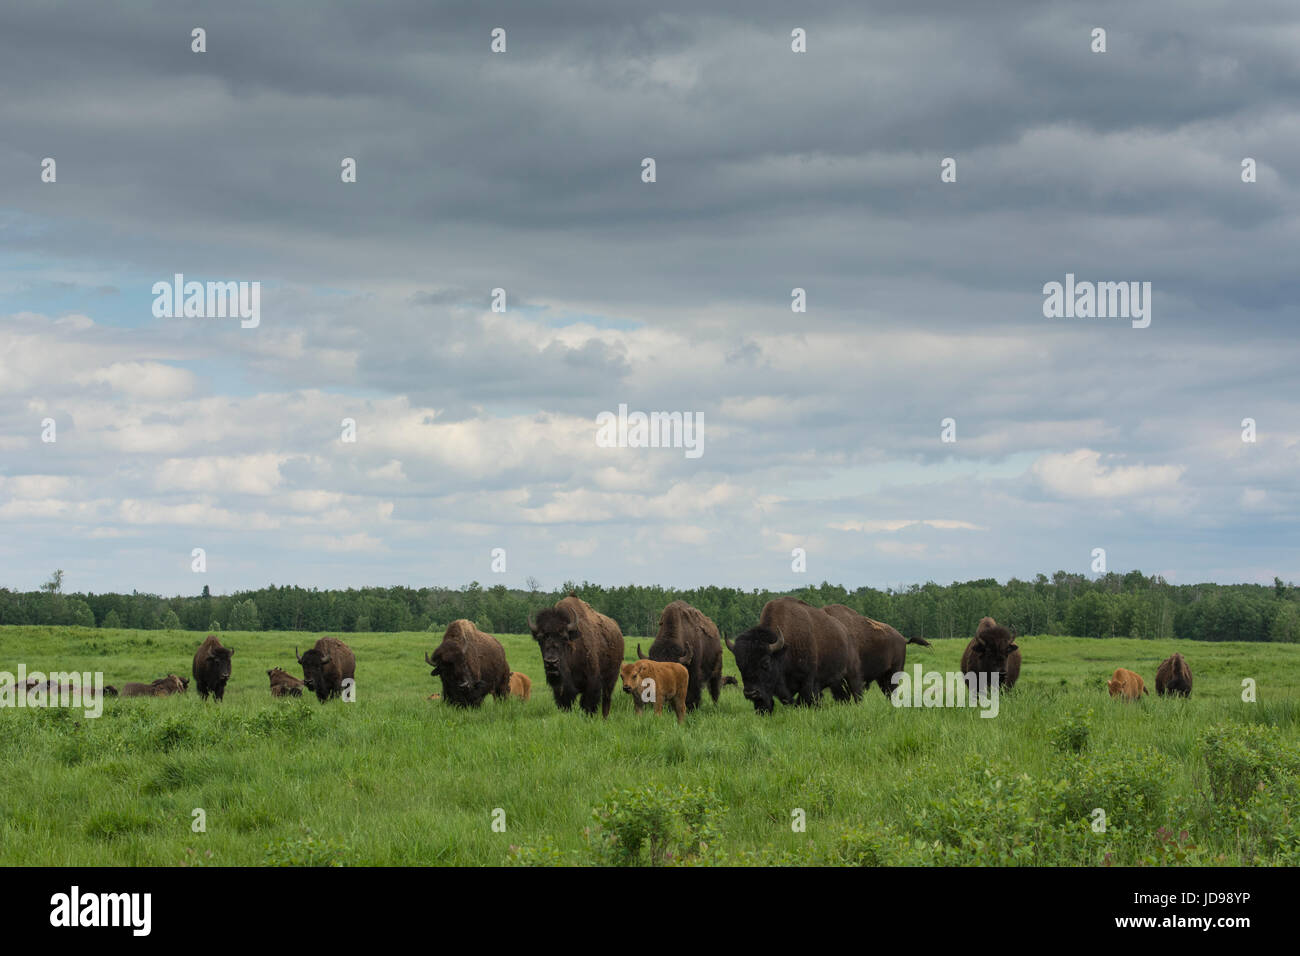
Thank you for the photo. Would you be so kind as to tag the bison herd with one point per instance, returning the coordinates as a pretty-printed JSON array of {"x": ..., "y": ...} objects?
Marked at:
[{"x": 794, "y": 654}]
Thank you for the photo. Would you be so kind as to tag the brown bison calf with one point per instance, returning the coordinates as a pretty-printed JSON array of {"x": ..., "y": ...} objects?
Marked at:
[
  {"x": 284, "y": 684},
  {"x": 520, "y": 685},
  {"x": 1174, "y": 677},
  {"x": 1126, "y": 684},
  {"x": 656, "y": 682},
  {"x": 162, "y": 687}
]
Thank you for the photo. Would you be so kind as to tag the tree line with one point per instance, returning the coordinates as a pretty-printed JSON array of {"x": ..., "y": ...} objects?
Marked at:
[{"x": 1112, "y": 605}]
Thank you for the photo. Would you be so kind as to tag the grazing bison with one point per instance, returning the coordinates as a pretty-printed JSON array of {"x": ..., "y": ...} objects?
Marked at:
[
  {"x": 882, "y": 651},
  {"x": 471, "y": 664},
  {"x": 689, "y": 638},
  {"x": 581, "y": 653},
  {"x": 326, "y": 666},
  {"x": 162, "y": 687},
  {"x": 284, "y": 684},
  {"x": 657, "y": 681},
  {"x": 212, "y": 668},
  {"x": 1174, "y": 677},
  {"x": 993, "y": 650},
  {"x": 796, "y": 650},
  {"x": 521, "y": 686},
  {"x": 1126, "y": 684}
]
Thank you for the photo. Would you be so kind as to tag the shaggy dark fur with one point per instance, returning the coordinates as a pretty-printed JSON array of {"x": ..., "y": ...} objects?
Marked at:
[
  {"x": 212, "y": 668},
  {"x": 993, "y": 650},
  {"x": 882, "y": 651},
  {"x": 582, "y": 650},
  {"x": 795, "y": 652},
  {"x": 162, "y": 687},
  {"x": 1173, "y": 676},
  {"x": 326, "y": 666},
  {"x": 284, "y": 684},
  {"x": 689, "y": 638},
  {"x": 471, "y": 664}
]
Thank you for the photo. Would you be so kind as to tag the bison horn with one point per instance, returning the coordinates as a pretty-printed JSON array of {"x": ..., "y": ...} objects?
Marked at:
[
  {"x": 532, "y": 625},
  {"x": 730, "y": 644},
  {"x": 639, "y": 655},
  {"x": 780, "y": 642},
  {"x": 688, "y": 656},
  {"x": 426, "y": 659},
  {"x": 295, "y": 654}
]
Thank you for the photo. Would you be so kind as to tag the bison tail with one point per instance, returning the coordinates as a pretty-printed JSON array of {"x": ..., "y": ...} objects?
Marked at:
[{"x": 919, "y": 640}]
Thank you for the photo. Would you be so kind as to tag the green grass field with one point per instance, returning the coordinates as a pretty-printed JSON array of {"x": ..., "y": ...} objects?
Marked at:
[{"x": 397, "y": 779}]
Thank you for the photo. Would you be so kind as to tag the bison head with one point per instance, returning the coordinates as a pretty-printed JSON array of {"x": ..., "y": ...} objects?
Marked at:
[
  {"x": 760, "y": 655},
  {"x": 451, "y": 663},
  {"x": 218, "y": 663},
  {"x": 313, "y": 668},
  {"x": 555, "y": 630},
  {"x": 993, "y": 644}
]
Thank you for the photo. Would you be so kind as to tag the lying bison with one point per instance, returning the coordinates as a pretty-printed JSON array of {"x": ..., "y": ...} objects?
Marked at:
[
  {"x": 1173, "y": 676},
  {"x": 471, "y": 664},
  {"x": 212, "y": 668},
  {"x": 796, "y": 651},
  {"x": 993, "y": 650},
  {"x": 521, "y": 686},
  {"x": 881, "y": 650},
  {"x": 581, "y": 653},
  {"x": 326, "y": 666},
  {"x": 689, "y": 638},
  {"x": 162, "y": 687},
  {"x": 284, "y": 684},
  {"x": 1126, "y": 684}
]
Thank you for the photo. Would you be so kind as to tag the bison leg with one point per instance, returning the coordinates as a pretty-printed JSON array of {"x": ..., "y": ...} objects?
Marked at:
[
  {"x": 680, "y": 707},
  {"x": 886, "y": 684},
  {"x": 715, "y": 685},
  {"x": 693, "y": 692}
]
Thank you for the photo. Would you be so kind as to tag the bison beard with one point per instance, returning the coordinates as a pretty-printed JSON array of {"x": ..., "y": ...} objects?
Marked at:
[
  {"x": 326, "y": 666},
  {"x": 795, "y": 653},
  {"x": 1173, "y": 676},
  {"x": 581, "y": 653},
  {"x": 212, "y": 668},
  {"x": 993, "y": 650},
  {"x": 689, "y": 638},
  {"x": 471, "y": 664}
]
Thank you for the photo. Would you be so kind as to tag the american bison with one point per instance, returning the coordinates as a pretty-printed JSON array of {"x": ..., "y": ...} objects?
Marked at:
[
  {"x": 581, "y": 653},
  {"x": 656, "y": 682},
  {"x": 471, "y": 664},
  {"x": 521, "y": 686},
  {"x": 326, "y": 666},
  {"x": 162, "y": 687},
  {"x": 284, "y": 684},
  {"x": 993, "y": 650},
  {"x": 795, "y": 651},
  {"x": 882, "y": 651},
  {"x": 1173, "y": 676},
  {"x": 212, "y": 668},
  {"x": 689, "y": 638},
  {"x": 1126, "y": 684}
]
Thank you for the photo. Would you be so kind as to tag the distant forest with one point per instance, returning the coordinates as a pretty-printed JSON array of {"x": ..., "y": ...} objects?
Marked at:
[{"x": 1113, "y": 605}]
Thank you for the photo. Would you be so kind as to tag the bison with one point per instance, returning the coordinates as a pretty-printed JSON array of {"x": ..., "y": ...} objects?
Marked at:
[
  {"x": 471, "y": 664},
  {"x": 656, "y": 682},
  {"x": 796, "y": 651},
  {"x": 212, "y": 668},
  {"x": 284, "y": 684},
  {"x": 162, "y": 687},
  {"x": 1126, "y": 684},
  {"x": 326, "y": 666},
  {"x": 993, "y": 650},
  {"x": 1173, "y": 676},
  {"x": 882, "y": 651},
  {"x": 581, "y": 653},
  {"x": 689, "y": 638},
  {"x": 521, "y": 686}
]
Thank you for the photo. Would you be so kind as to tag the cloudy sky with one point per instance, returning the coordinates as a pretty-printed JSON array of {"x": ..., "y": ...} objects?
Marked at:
[{"x": 522, "y": 170}]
